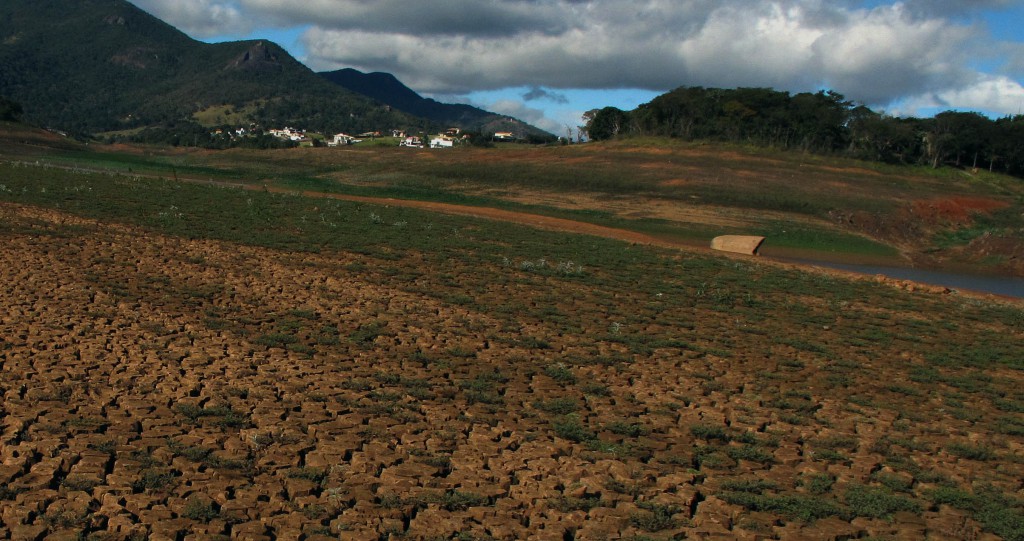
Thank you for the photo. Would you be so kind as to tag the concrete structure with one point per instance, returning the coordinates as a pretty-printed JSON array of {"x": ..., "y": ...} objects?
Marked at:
[{"x": 737, "y": 244}]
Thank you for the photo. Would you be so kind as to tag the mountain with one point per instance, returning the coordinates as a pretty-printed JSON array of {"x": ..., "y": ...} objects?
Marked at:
[
  {"x": 385, "y": 88},
  {"x": 94, "y": 66}
]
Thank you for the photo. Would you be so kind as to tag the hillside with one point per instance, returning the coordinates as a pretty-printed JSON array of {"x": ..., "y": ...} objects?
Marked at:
[
  {"x": 385, "y": 88},
  {"x": 217, "y": 358},
  {"x": 103, "y": 65}
]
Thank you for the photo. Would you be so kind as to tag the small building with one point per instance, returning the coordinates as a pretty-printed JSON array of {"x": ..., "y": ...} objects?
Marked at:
[
  {"x": 413, "y": 142},
  {"x": 738, "y": 244},
  {"x": 290, "y": 134},
  {"x": 504, "y": 136},
  {"x": 342, "y": 139},
  {"x": 442, "y": 142}
]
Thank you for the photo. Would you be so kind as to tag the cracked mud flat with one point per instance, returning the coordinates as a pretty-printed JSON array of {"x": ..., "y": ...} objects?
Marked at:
[{"x": 161, "y": 388}]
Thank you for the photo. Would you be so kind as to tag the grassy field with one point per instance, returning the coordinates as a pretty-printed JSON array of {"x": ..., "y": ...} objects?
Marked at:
[
  {"x": 613, "y": 391},
  {"x": 809, "y": 206}
]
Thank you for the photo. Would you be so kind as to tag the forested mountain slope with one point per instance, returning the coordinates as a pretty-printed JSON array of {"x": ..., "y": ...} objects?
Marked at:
[{"x": 102, "y": 65}]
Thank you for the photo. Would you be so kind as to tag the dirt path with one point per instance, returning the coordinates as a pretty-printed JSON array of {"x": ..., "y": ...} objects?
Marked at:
[{"x": 533, "y": 220}]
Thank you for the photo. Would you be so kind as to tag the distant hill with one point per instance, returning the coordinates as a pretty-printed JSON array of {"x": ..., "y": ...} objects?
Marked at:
[
  {"x": 385, "y": 88},
  {"x": 102, "y": 65}
]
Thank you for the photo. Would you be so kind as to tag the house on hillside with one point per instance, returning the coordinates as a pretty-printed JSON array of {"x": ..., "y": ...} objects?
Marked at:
[
  {"x": 504, "y": 136},
  {"x": 290, "y": 134},
  {"x": 342, "y": 139},
  {"x": 413, "y": 142},
  {"x": 441, "y": 141}
]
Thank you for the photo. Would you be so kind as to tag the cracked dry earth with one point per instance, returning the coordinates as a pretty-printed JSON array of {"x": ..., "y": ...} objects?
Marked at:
[{"x": 168, "y": 389}]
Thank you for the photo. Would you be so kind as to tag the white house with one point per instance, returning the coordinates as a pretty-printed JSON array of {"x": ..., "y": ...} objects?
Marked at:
[
  {"x": 290, "y": 134},
  {"x": 441, "y": 142},
  {"x": 342, "y": 139}
]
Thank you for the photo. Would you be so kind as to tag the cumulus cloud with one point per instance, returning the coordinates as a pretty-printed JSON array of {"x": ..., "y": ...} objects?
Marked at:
[
  {"x": 989, "y": 94},
  {"x": 200, "y": 18},
  {"x": 874, "y": 55},
  {"x": 875, "y": 52}
]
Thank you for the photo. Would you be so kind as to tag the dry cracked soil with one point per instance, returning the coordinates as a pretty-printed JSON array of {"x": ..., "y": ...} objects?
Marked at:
[{"x": 169, "y": 389}]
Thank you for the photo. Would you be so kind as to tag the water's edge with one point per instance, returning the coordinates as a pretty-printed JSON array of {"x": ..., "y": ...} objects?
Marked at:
[{"x": 998, "y": 285}]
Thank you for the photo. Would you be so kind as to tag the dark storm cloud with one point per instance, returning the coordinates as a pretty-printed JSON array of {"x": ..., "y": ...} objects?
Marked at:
[
  {"x": 537, "y": 93},
  {"x": 500, "y": 18}
]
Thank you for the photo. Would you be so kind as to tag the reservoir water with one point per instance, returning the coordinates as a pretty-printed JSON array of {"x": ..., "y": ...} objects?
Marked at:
[{"x": 999, "y": 285}]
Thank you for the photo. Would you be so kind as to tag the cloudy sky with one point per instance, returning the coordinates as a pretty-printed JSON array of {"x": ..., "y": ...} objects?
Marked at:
[{"x": 548, "y": 61}]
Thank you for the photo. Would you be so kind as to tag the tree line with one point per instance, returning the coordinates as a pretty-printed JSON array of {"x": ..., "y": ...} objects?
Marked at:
[{"x": 824, "y": 122}]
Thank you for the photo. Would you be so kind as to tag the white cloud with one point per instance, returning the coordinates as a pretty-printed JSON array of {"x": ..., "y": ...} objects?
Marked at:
[
  {"x": 993, "y": 95},
  {"x": 885, "y": 53},
  {"x": 520, "y": 110},
  {"x": 872, "y": 55},
  {"x": 878, "y": 54},
  {"x": 200, "y": 18}
]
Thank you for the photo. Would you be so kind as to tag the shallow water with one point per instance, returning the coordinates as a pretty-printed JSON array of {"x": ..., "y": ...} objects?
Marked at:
[{"x": 999, "y": 285}]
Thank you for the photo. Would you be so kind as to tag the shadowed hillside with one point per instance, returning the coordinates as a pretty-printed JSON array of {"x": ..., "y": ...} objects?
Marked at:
[{"x": 93, "y": 66}]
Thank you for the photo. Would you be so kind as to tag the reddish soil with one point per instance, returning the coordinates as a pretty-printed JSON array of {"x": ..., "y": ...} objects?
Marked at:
[{"x": 953, "y": 210}]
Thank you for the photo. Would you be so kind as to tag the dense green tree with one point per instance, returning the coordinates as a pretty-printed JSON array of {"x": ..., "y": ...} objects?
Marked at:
[
  {"x": 1007, "y": 152},
  {"x": 9, "y": 110},
  {"x": 819, "y": 122},
  {"x": 882, "y": 138},
  {"x": 608, "y": 123}
]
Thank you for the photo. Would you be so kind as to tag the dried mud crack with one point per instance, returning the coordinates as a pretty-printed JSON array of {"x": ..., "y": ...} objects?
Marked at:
[{"x": 161, "y": 388}]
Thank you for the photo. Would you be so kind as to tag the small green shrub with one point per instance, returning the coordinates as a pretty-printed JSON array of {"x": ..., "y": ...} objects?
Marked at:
[
  {"x": 818, "y": 483},
  {"x": 276, "y": 340},
  {"x": 828, "y": 455},
  {"x": 894, "y": 482},
  {"x": 655, "y": 517},
  {"x": 570, "y": 428},
  {"x": 153, "y": 479},
  {"x": 633, "y": 430},
  {"x": 200, "y": 510},
  {"x": 596, "y": 389},
  {"x": 366, "y": 333},
  {"x": 753, "y": 486},
  {"x": 751, "y": 453},
  {"x": 558, "y": 406},
  {"x": 877, "y": 502},
  {"x": 316, "y": 475},
  {"x": 805, "y": 508},
  {"x": 971, "y": 452},
  {"x": 560, "y": 373},
  {"x": 997, "y": 513},
  {"x": 710, "y": 432}
]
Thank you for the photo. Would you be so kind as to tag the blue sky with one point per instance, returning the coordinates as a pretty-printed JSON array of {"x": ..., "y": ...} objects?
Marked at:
[{"x": 548, "y": 61}]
